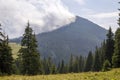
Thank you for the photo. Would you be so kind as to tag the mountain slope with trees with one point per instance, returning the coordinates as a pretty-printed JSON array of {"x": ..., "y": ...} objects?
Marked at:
[{"x": 77, "y": 38}]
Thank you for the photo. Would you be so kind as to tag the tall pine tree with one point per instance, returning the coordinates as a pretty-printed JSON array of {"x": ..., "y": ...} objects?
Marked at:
[
  {"x": 62, "y": 67},
  {"x": 81, "y": 63},
  {"x": 71, "y": 64},
  {"x": 6, "y": 60},
  {"x": 116, "y": 55},
  {"x": 89, "y": 62},
  {"x": 96, "y": 61},
  {"x": 109, "y": 49},
  {"x": 76, "y": 65},
  {"x": 29, "y": 54},
  {"x": 102, "y": 52}
]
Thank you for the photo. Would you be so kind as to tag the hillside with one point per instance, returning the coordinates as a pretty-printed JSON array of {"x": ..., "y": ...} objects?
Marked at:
[
  {"x": 15, "y": 48},
  {"x": 110, "y": 75},
  {"x": 76, "y": 38}
]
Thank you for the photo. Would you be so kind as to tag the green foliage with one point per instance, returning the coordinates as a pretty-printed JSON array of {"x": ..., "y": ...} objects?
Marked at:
[
  {"x": 109, "y": 49},
  {"x": 102, "y": 52},
  {"x": 71, "y": 64},
  {"x": 96, "y": 62},
  {"x": 81, "y": 63},
  {"x": 29, "y": 55},
  {"x": 76, "y": 65},
  {"x": 6, "y": 60},
  {"x": 89, "y": 62},
  {"x": 106, "y": 66},
  {"x": 62, "y": 67},
  {"x": 16, "y": 70},
  {"x": 116, "y": 55},
  {"x": 48, "y": 67},
  {"x": 53, "y": 69}
]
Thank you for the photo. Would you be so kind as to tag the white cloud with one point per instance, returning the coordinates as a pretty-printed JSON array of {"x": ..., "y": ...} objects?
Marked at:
[
  {"x": 105, "y": 15},
  {"x": 44, "y": 15},
  {"x": 81, "y": 2}
]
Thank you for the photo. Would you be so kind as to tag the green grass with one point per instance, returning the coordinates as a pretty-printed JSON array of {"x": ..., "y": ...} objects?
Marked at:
[
  {"x": 110, "y": 75},
  {"x": 15, "y": 48}
]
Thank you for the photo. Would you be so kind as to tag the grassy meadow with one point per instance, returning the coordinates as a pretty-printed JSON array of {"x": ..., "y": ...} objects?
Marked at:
[
  {"x": 110, "y": 75},
  {"x": 15, "y": 48}
]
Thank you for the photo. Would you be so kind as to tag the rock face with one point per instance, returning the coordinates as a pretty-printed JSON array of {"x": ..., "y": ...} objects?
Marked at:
[{"x": 76, "y": 38}]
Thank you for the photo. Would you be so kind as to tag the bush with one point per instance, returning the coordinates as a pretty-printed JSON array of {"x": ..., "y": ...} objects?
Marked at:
[{"x": 106, "y": 66}]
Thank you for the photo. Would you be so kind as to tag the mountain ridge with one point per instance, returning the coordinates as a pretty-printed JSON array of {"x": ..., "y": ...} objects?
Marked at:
[{"x": 76, "y": 38}]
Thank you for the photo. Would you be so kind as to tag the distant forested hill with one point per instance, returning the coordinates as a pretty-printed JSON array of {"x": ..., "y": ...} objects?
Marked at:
[{"x": 76, "y": 38}]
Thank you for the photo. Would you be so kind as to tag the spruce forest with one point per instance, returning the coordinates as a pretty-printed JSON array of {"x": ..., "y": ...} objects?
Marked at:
[{"x": 29, "y": 62}]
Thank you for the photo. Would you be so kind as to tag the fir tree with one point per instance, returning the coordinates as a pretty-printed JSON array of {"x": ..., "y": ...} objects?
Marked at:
[
  {"x": 29, "y": 53},
  {"x": 58, "y": 67},
  {"x": 53, "y": 69},
  {"x": 71, "y": 64},
  {"x": 89, "y": 62},
  {"x": 106, "y": 65},
  {"x": 81, "y": 63},
  {"x": 109, "y": 50},
  {"x": 6, "y": 60},
  {"x": 96, "y": 62},
  {"x": 76, "y": 65},
  {"x": 49, "y": 65},
  {"x": 66, "y": 68},
  {"x": 45, "y": 66},
  {"x": 62, "y": 67},
  {"x": 102, "y": 52},
  {"x": 116, "y": 55}
]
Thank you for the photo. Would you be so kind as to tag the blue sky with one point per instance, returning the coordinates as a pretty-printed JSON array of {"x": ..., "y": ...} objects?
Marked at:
[
  {"x": 102, "y": 12},
  {"x": 96, "y": 5}
]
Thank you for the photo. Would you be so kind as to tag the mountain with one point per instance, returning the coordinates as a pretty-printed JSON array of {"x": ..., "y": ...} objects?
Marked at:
[{"x": 76, "y": 38}]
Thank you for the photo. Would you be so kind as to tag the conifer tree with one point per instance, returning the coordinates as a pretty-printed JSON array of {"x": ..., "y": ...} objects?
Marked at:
[
  {"x": 81, "y": 63},
  {"x": 71, "y": 64},
  {"x": 49, "y": 65},
  {"x": 76, "y": 65},
  {"x": 109, "y": 50},
  {"x": 116, "y": 55},
  {"x": 58, "y": 67},
  {"x": 45, "y": 66},
  {"x": 29, "y": 53},
  {"x": 106, "y": 65},
  {"x": 53, "y": 69},
  {"x": 89, "y": 62},
  {"x": 62, "y": 67},
  {"x": 96, "y": 62},
  {"x": 102, "y": 52},
  {"x": 66, "y": 68},
  {"x": 6, "y": 60}
]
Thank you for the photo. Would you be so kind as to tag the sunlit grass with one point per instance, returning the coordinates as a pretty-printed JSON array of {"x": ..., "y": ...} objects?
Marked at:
[
  {"x": 15, "y": 48},
  {"x": 110, "y": 75}
]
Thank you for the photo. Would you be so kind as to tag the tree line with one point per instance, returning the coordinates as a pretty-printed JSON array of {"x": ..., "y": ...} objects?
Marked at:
[{"x": 29, "y": 61}]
